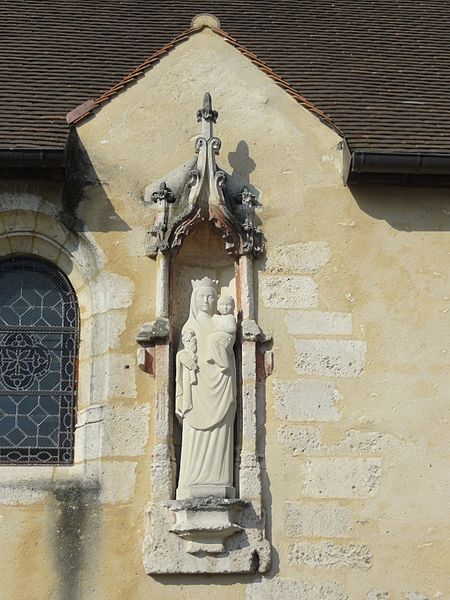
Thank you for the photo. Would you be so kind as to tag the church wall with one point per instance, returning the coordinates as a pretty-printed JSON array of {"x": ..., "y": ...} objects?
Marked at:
[{"x": 353, "y": 290}]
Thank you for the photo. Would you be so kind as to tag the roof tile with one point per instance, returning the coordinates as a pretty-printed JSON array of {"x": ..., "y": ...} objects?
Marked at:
[{"x": 379, "y": 69}]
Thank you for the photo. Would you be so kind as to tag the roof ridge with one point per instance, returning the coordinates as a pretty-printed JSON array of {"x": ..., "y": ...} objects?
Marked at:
[{"x": 86, "y": 108}]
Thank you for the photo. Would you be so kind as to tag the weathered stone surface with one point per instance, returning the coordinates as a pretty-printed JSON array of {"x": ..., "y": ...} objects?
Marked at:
[
  {"x": 88, "y": 433},
  {"x": 416, "y": 596},
  {"x": 106, "y": 330},
  {"x": 378, "y": 594},
  {"x": 113, "y": 375},
  {"x": 292, "y": 589},
  {"x": 149, "y": 332},
  {"x": 315, "y": 322},
  {"x": 18, "y": 493},
  {"x": 10, "y": 201},
  {"x": 299, "y": 440},
  {"x": 165, "y": 552},
  {"x": 325, "y": 519},
  {"x": 117, "y": 481},
  {"x": 332, "y": 358},
  {"x": 341, "y": 477},
  {"x": 110, "y": 291},
  {"x": 328, "y": 555},
  {"x": 298, "y": 258},
  {"x": 125, "y": 430},
  {"x": 365, "y": 442},
  {"x": 305, "y": 400},
  {"x": 293, "y": 291}
]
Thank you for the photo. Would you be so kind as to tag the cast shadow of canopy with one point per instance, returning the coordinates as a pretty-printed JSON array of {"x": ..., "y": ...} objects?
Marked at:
[
  {"x": 405, "y": 208},
  {"x": 83, "y": 183}
]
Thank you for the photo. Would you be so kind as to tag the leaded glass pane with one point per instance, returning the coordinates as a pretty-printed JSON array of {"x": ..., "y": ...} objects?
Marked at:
[{"x": 38, "y": 346}]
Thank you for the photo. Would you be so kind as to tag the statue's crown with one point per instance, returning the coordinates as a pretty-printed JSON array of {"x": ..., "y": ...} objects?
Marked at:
[{"x": 205, "y": 282}]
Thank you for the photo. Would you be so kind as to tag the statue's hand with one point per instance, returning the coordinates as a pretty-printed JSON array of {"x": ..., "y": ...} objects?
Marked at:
[{"x": 187, "y": 360}]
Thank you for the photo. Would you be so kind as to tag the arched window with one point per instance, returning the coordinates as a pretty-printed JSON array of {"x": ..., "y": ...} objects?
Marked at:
[{"x": 38, "y": 362}]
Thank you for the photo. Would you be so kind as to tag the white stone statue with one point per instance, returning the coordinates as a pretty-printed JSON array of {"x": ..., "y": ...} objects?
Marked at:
[{"x": 206, "y": 394}]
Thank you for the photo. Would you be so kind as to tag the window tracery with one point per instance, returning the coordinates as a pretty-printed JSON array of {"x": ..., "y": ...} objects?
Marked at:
[{"x": 38, "y": 353}]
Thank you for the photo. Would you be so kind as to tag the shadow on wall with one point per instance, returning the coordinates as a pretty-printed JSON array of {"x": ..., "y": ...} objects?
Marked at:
[
  {"x": 83, "y": 183},
  {"x": 406, "y": 208},
  {"x": 240, "y": 161},
  {"x": 74, "y": 519},
  {"x": 243, "y": 165}
]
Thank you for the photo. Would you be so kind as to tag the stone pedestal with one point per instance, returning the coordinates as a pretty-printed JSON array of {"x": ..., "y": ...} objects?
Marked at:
[
  {"x": 205, "y": 523},
  {"x": 205, "y": 535}
]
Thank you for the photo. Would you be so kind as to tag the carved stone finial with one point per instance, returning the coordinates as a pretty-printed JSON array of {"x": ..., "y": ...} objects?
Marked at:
[
  {"x": 164, "y": 193},
  {"x": 205, "y": 20},
  {"x": 206, "y": 112},
  {"x": 205, "y": 194}
]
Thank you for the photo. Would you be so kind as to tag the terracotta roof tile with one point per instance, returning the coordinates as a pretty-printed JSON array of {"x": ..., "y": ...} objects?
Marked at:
[{"x": 379, "y": 69}]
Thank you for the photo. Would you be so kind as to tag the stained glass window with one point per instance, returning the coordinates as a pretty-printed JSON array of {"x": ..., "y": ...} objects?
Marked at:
[{"x": 38, "y": 352}]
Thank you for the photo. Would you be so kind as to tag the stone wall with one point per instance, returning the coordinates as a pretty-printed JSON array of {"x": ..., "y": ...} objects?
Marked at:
[{"x": 353, "y": 289}]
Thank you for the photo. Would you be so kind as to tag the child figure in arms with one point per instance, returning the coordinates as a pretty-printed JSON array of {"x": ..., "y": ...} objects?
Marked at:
[
  {"x": 189, "y": 354},
  {"x": 221, "y": 341}
]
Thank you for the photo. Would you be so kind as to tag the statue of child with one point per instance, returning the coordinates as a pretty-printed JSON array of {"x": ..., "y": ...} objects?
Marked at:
[
  {"x": 221, "y": 341},
  {"x": 188, "y": 355}
]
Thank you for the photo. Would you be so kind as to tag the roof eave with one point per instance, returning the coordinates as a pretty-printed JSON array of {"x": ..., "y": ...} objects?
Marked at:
[
  {"x": 32, "y": 158},
  {"x": 395, "y": 168}
]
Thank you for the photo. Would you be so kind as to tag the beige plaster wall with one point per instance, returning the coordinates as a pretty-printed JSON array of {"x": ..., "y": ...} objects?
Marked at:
[{"x": 354, "y": 291}]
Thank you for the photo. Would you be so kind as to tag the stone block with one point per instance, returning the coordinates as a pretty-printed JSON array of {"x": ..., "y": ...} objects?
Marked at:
[
  {"x": 22, "y": 486},
  {"x": 292, "y": 589},
  {"x": 14, "y": 494},
  {"x": 13, "y": 200},
  {"x": 88, "y": 440},
  {"x": 365, "y": 442},
  {"x": 314, "y": 322},
  {"x": 113, "y": 375},
  {"x": 107, "y": 328},
  {"x": 9, "y": 219},
  {"x": 21, "y": 243},
  {"x": 110, "y": 291},
  {"x": 25, "y": 220},
  {"x": 318, "y": 519},
  {"x": 330, "y": 358},
  {"x": 295, "y": 291},
  {"x": 341, "y": 477},
  {"x": 125, "y": 430},
  {"x": 46, "y": 249},
  {"x": 306, "y": 400},
  {"x": 117, "y": 481},
  {"x": 52, "y": 228},
  {"x": 5, "y": 246},
  {"x": 299, "y": 440},
  {"x": 330, "y": 556},
  {"x": 298, "y": 258}
]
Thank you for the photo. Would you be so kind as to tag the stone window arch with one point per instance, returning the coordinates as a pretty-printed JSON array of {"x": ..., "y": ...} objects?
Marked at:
[{"x": 39, "y": 334}]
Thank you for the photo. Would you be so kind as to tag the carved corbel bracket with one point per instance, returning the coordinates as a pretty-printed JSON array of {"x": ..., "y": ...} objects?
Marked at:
[
  {"x": 147, "y": 336},
  {"x": 251, "y": 332}
]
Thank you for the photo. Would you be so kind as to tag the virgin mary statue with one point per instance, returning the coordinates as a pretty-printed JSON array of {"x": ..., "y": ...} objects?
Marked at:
[{"x": 206, "y": 399}]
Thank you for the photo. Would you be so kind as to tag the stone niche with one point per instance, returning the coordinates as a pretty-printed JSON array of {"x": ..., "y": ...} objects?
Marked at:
[{"x": 205, "y": 227}]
